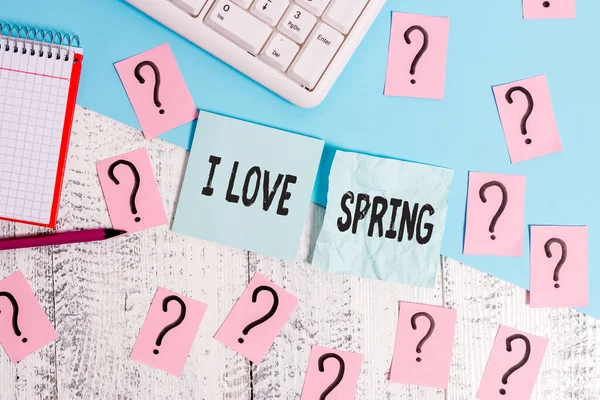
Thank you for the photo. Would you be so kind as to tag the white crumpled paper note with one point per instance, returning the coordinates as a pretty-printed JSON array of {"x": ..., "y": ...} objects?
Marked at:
[{"x": 380, "y": 257}]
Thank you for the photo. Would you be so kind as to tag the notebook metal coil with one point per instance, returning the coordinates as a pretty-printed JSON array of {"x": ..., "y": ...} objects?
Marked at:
[{"x": 37, "y": 42}]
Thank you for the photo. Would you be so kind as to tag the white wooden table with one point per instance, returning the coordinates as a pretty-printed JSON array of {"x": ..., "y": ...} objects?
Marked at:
[{"x": 97, "y": 296}]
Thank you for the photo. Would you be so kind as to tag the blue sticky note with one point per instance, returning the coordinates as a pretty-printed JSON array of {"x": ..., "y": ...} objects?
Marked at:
[
  {"x": 247, "y": 186},
  {"x": 385, "y": 219}
]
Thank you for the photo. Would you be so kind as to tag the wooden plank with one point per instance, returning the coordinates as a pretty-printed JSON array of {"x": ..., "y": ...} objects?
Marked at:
[
  {"x": 338, "y": 311},
  {"x": 104, "y": 289},
  {"x": 34, "y": 377},
  {"x": 569, "y": 369}
]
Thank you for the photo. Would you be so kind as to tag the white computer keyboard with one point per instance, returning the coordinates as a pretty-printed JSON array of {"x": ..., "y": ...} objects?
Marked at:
[{"x": 296, "y": 48}]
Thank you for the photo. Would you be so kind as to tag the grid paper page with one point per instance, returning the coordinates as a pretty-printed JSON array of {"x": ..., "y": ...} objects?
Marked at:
[{"x": 33, "y": 100}]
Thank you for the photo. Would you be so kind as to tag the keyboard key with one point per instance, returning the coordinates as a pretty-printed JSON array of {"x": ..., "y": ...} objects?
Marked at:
[
  {"x": 279, "y": 51},
  {"x": 269, "y": 11},
  {"x": 297, "y": 23},
  {"x": 243, "y": 3},
  {"x": 316, "y": 55},
  {"x": 193, "y": 7},
  {"x": 314, "y": 6},
  {"x": 341, "y": 14},
  {"x": 238, "y": 25}
]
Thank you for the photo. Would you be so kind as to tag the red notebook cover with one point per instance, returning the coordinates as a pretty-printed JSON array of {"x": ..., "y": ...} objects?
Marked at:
[{"x": 33, "y": 82}]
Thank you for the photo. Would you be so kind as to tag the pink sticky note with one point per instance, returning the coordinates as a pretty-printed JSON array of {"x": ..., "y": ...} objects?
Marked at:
[
  {"x": 331, "y": 374},
  {"x": 157, "y": 91},
  {"x": 168, "y": 332},
  {"x": 423, "y": 350},
  {"x": 546, "y": 9},
  {"x": 417, "y": 56},
  {"x": 559, "y": 266},
  {"x": 256, "y": 318},
  {"x": 130, "y": 209},
  {"x": 24, "y": 327},
  {"x": 527, "y": 118},
  {"x": 495, "y": 215},
  {"x": 501, "y": 379}
]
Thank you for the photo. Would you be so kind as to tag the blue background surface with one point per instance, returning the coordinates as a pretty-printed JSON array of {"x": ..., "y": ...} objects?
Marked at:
[{"x": 489, "y": 44}]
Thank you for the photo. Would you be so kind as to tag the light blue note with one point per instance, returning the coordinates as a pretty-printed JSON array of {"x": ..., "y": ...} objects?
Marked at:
[
  {"x": 247, "y": 186},
  {"x": 384, "y": 220}
]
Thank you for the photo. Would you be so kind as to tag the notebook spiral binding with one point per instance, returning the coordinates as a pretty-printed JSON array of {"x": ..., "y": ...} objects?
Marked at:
[{"x": 38, "y": 42}]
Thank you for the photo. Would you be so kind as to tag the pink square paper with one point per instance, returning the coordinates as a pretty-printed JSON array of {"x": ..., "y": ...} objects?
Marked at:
[
  {"x": 485, "y": 198},
  {"x": 164, "y": 348},
  {"x": 546, "y": 9},
  {"x": 423, "y": 350},
  {"x": 510, "y": 348},
  {"x": 157, "y": 91},
  {"x": 559, "y": 266},
  {"x": 19, "y": 305},
  {"x": 417, "y": 56},
  {"x": 527, "y": 118},
  {"x": 131, "y": 210},
  {"x": 333, "y": 373},
  {"x": 256, "y": 318}
]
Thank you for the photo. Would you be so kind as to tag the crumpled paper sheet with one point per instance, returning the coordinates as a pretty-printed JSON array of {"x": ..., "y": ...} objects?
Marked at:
[{"x": 382, "y": 258}]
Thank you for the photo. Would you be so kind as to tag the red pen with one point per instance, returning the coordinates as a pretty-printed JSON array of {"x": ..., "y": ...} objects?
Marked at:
[{"x": 59, "y": 238}]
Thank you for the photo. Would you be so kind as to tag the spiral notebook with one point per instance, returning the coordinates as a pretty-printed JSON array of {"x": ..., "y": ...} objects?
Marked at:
[{"x": 39, "y": 77}]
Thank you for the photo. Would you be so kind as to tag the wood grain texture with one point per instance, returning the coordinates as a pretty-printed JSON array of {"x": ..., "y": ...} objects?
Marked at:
[
  {"x": 97, "y": 296},
  {"x": 34, "y": 377},
  {"x": 570, "y": 366}
]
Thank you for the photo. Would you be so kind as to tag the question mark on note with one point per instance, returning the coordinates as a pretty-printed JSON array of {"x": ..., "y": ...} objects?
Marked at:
[
  {"x": 140, "y": 78},
  {"x": 521, "y": 363},
  {"x": 546, "y": 4},
  {"x": 529, "y": 110},
  {"x": 136, "y": 184},
  {"x": 502, "y": 207},
  {"x": 15, "y": 315},
  {"x": 268, "y": 315},
  {"x": 340, "y": 374},
  {"x": 563, "y": 256},
  {"x": 174, "y": 324},
  {"x": 413, "y": 323},
  {"x": 424, "y": 46}
]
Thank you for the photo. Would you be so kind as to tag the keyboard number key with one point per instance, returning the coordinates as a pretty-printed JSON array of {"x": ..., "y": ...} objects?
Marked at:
[
  {"x": 316, "y": 54},
  {"x": 243, "y": 3},
  {"x": 297, "y": 23},
  {"x": 269, "y": 11},
  {"x": 279, "y": 51},
  {"x": 238, "y": 25},
  {"x": 314, "y": 6}
]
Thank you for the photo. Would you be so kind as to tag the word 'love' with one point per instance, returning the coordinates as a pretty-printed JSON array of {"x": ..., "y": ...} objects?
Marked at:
[{"x": 250, "y": 191}]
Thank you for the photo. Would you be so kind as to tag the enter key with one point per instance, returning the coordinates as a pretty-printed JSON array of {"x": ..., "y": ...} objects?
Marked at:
[{"x": 316, "y": 55}]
